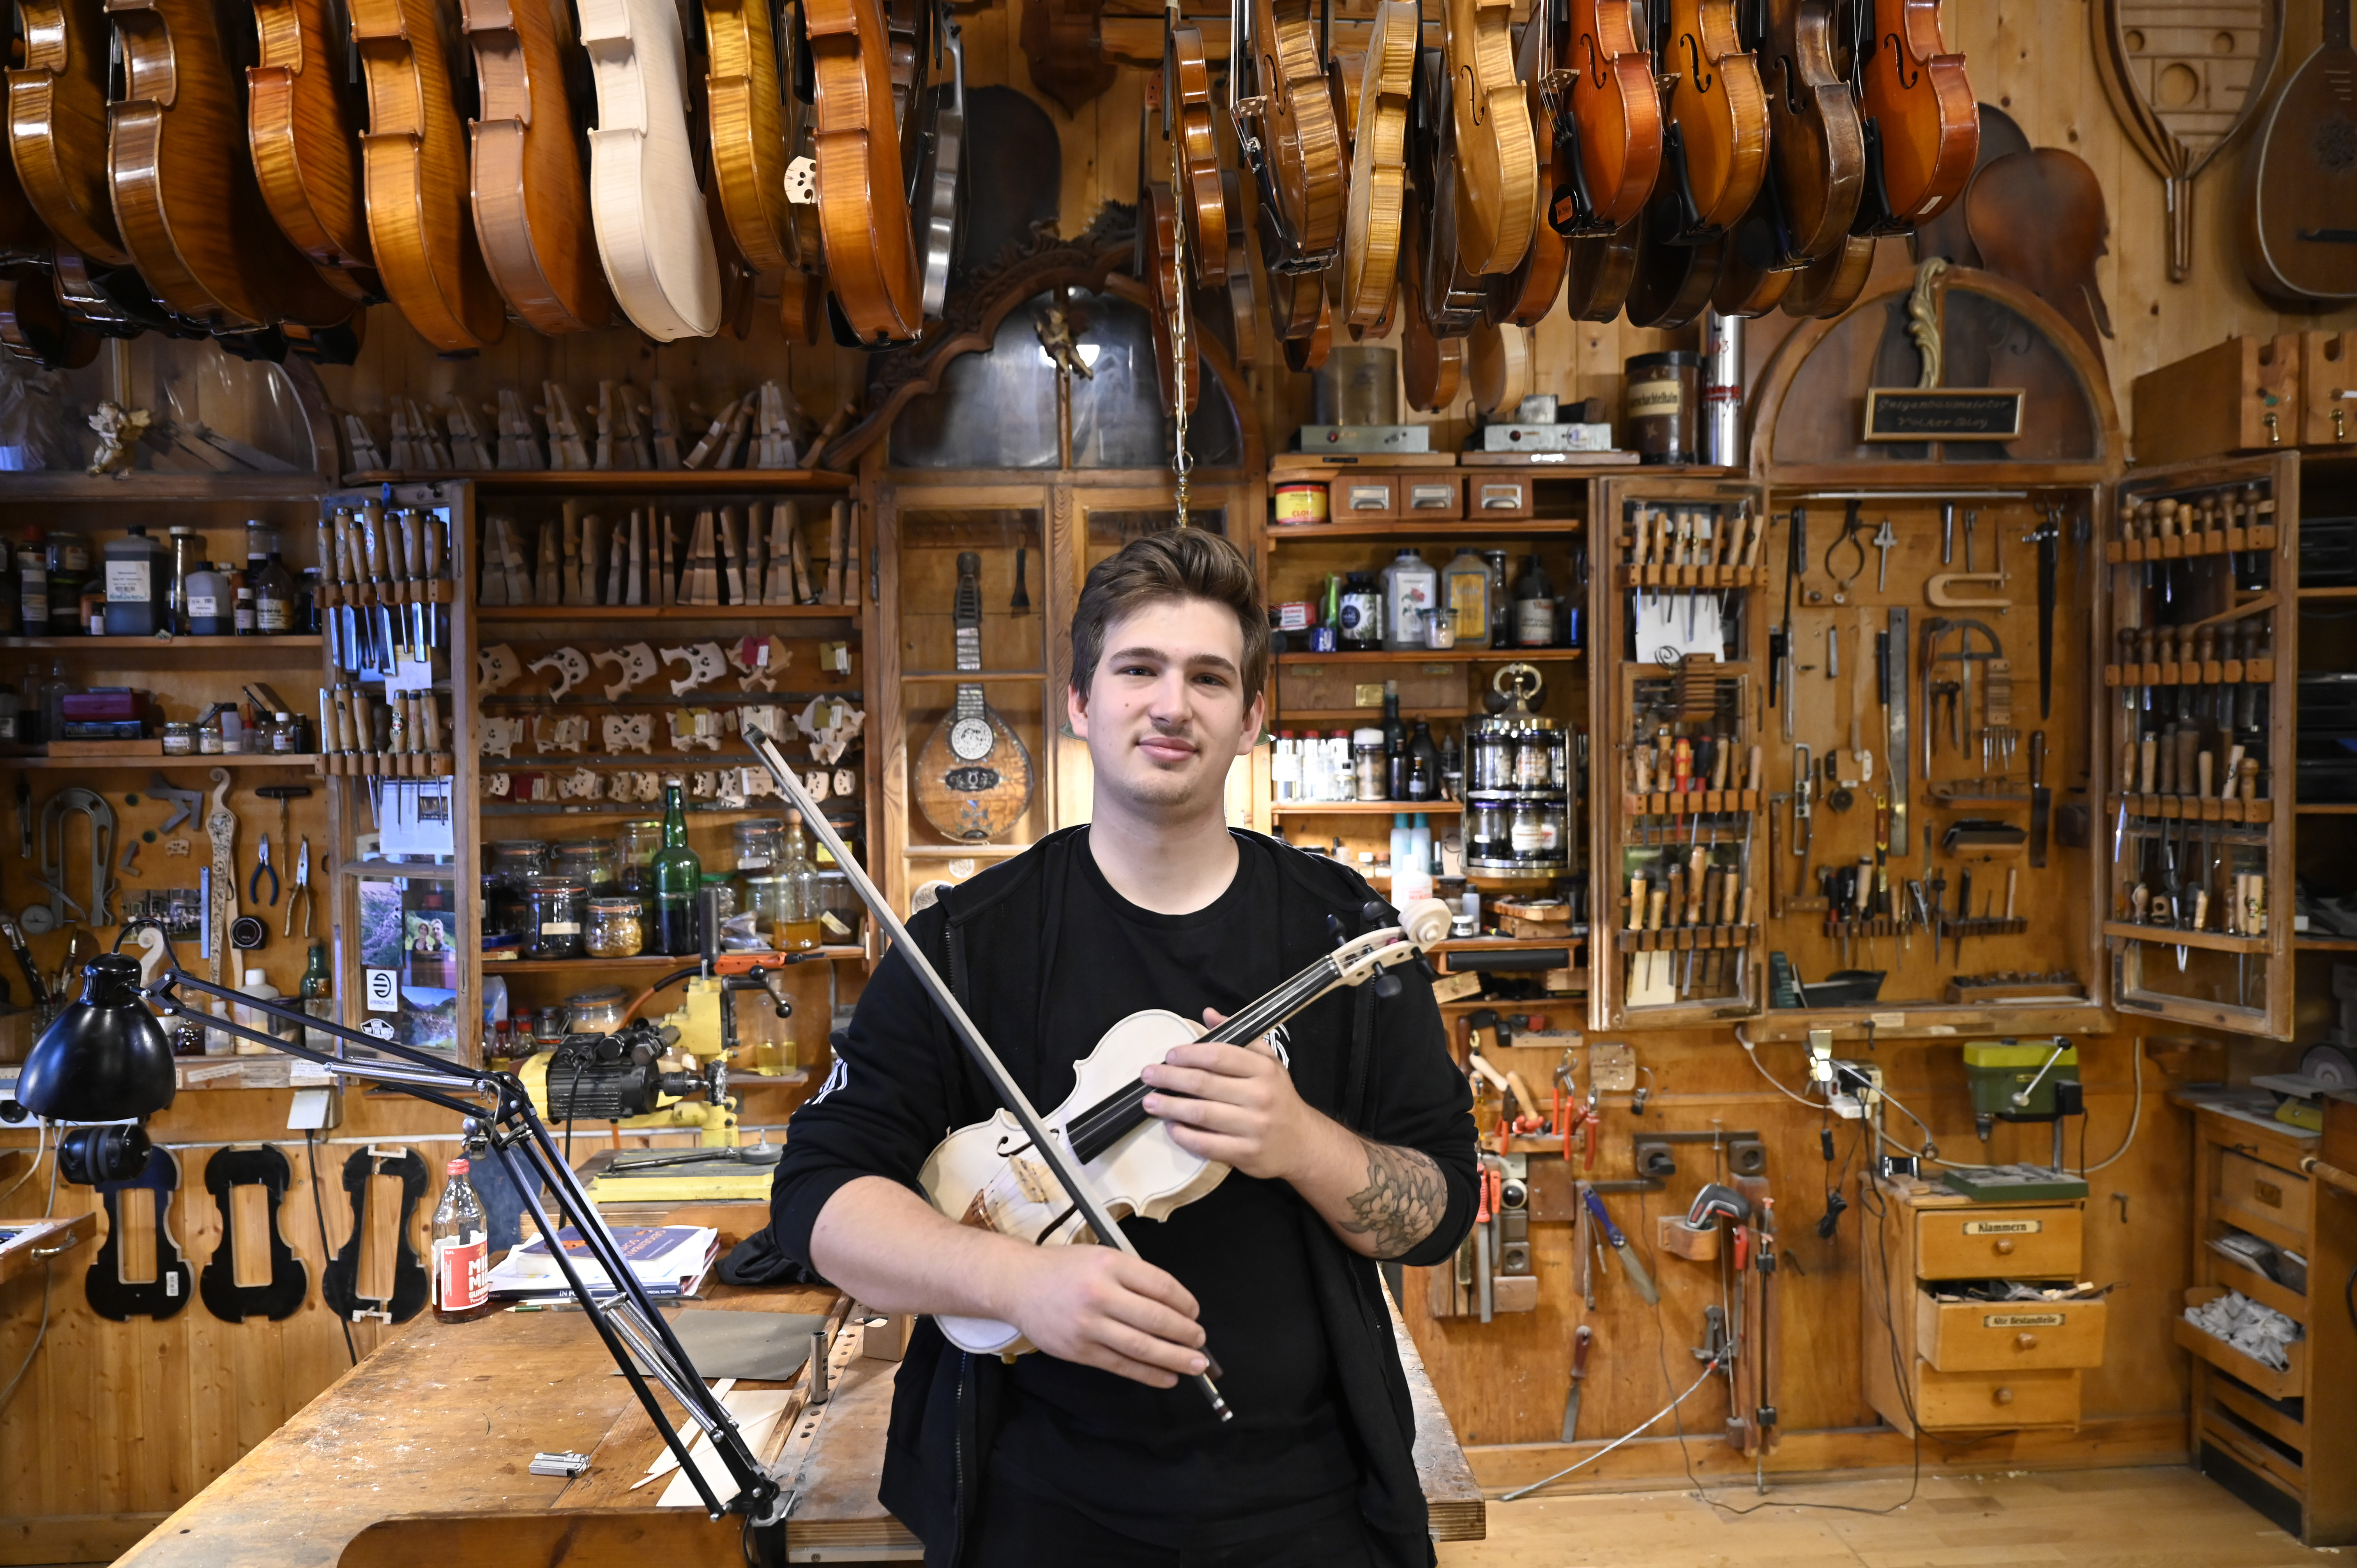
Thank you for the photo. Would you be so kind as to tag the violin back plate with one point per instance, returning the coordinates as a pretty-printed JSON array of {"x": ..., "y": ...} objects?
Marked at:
[
  {"x": 531, "y": 206},
  {"x": 56, "y": 125}
]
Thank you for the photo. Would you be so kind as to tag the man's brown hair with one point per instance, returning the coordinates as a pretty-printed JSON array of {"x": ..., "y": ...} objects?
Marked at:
[{"x": 1161, "y": 568}]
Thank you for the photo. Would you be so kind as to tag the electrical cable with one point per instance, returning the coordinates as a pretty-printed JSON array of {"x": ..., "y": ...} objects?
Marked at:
[
  {"x": 1751, "y": 1051},
  {"x": 40, "y": 1138},
  {"x": 49, "y": 1279},
  {"x": 2136, "y": 1119},
  {"x": 320, "y": 1211},
  {"x": 1626, "y": 1436}
]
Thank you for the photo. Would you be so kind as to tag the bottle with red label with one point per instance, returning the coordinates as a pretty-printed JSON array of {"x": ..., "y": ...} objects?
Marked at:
[{"x": 462, "y": 1242}]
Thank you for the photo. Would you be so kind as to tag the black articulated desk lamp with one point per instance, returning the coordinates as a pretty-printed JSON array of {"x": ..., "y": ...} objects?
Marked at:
[{"x": 106, "y": 1059}]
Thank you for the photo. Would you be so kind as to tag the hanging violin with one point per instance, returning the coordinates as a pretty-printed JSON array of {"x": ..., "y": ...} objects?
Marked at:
[
  {"x": 986, "y": 1174},
  {"x": 1922, "y": 126}
]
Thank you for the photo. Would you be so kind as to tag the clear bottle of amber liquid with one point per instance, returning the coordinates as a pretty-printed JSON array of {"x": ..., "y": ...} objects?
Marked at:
[
  {"x": 799, "y": 931},
  {"x": 461, "y": 1248}
]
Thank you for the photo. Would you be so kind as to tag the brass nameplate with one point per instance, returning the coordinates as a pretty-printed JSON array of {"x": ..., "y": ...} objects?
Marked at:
[
  {"x": 1943, "y": 413},
  {"x": 2003, "y": 1226},
  {"x": 2022, "y": 1320}
]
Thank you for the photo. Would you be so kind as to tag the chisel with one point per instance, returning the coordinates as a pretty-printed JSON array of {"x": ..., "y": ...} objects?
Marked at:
[
  {"x": 1580, "y": 1344},
  {"x": 1638, "y": 1277}
]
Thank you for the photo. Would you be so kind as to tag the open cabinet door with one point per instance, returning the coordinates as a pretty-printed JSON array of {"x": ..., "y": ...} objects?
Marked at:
[
  {"x": 2199, "y": 741},
  {"x": 1675, "y": 686}
]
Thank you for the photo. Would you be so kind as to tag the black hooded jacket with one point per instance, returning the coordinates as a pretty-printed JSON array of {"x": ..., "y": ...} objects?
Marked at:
[{"x": 901, "y": 1082}]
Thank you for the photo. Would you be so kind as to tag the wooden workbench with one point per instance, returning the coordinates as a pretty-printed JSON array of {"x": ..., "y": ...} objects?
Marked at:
[{"x": 421, "y": 1454}]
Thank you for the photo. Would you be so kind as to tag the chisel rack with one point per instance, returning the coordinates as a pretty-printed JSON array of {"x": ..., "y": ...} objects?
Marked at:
[
  {"x": 1677, "y": 828},
  {"x": 2198, "y": 738}
]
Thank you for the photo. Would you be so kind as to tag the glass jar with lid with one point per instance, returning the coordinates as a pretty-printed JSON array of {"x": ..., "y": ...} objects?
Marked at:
[
  {"x": 507, "y": 863},
  {"x": 765, "y": 899},
  {"x": 598, "y": 1012},
  {"x": 555, "y": 909},
  {"x": 635, "y": 845},
  {"x": 615, "y": 929},
  {"x": 756, "y": 844},
  {"x": 596, "y": 862},
  {"x": 1489, "y": 756}
]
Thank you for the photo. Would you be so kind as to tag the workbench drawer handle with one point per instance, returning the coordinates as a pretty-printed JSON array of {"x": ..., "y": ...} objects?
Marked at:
[
  {"x": 59, "y": 1251},
  {"x": 2003, "y": 1396},
  {"x": 2024, "y": 1342},
  {"x": 2004, "y": 1246}
]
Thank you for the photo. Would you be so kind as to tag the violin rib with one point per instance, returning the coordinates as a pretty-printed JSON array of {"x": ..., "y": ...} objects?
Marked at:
[
  {"x": 1187, "y": 122},
  {"x": 746, "y": 113},
  {"x": 1497, "y": 162},
  {"x": 414, "y": 167},
  {"x": 1378, "y": 207},
  {"x": 306, "y": 148},
  {"x": 58, "y": 126},
  {"x": 530, "y": 204},
  {"x": 871, "y": 256},
  {"x": 186, "y": 200}
]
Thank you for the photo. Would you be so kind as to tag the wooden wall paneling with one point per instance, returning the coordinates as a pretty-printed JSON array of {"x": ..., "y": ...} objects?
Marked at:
[{"x": 1503, "y": 1383}]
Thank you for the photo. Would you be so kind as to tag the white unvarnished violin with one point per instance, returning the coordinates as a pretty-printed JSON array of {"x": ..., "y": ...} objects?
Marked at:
[
  {"x": 655, "y": 234},
  {"x": 987, "y": 1175}
]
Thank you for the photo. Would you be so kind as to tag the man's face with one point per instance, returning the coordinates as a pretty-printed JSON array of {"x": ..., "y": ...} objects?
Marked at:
[{"x": 1166, "y": 712}]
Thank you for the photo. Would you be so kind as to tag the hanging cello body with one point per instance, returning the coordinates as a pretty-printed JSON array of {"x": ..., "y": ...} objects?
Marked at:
[{"x": 986, "y": 1176}]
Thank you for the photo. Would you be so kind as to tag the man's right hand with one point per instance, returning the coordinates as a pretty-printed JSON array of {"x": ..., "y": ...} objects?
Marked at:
[{"x": 1104, "y": 1308}]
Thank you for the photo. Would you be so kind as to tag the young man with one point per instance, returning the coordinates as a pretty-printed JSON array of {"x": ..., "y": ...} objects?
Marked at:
[{"x": 1100, "y": 1450}]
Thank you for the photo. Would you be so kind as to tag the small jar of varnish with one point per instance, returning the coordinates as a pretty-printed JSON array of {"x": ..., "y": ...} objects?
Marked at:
[
  {"x": 1662, "y": 403},
  {"x": 1301, "y": 502}
]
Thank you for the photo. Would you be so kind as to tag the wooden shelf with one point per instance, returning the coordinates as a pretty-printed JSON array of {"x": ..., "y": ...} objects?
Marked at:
[
  {"x": 1430, "y": 528},
  {"x": 572, "y": 481},
  {"x": 1438, "y": 656},
  {"x": 2346, "y": 809},
  {"x": 2178, "y": 937},
  {"x": 967, "y": 677},
  {"x": 500, "y": 615},
  {"x": 71, "y": 485},
  {"x": 1364, "y": 808},
  {"x": 591, "y": 967},
  {"x": 2328, "y": 592},
  {"x": 157, "y": 759},
  {"x": 2302, "y": 943},
  {"x": 1358, "y": 718},
  {"x": 299, "y": 642}
]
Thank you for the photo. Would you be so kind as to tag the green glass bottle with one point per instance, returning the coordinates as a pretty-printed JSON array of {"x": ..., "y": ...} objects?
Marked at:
[
  {"x": 316, "y": 989},
  {"x": 678, "y": 874}
]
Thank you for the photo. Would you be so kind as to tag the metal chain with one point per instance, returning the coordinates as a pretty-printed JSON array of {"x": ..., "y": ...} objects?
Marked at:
[{"x": 1182, "y": 463}]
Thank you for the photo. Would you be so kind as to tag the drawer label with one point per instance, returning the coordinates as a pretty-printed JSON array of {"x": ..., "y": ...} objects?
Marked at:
[
  {"x": 2003, "y": 1226},
  {"x": 2022, "y": 1320}
]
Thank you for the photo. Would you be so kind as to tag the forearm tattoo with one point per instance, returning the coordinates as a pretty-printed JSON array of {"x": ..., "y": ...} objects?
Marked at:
[{"x": 1402, "y": 1202}]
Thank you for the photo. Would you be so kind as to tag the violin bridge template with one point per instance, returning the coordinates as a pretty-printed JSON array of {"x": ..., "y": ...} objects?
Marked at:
[
  {"x": 495, "y": 667},
  {"x": 704, "y": 662},
  {"x": 571, "y": 667},
  {"x": 634, "y": 664},
  {"x": 628, "y": 732}
]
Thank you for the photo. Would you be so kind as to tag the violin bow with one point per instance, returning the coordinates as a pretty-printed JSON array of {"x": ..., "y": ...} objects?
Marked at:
[{"x": 1058, "y": 1159}]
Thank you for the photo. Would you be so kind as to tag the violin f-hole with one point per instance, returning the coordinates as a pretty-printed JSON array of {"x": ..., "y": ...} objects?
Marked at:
[
  {"x": 1899, "y": 64},
  {"x": 1693, "y": 63}
]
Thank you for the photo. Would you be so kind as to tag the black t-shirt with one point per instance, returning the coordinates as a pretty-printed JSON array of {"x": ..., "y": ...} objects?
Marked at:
[{"x": 1155, "y": 1461}]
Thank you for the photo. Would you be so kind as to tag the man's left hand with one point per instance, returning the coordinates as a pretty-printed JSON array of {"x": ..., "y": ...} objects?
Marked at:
[{"x": 1236, "y": 1104}]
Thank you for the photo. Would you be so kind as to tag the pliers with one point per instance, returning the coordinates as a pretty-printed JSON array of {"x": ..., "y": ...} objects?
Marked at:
[
  {"x": 262, "y": 865},
  {"x": 302, "y": 891}
]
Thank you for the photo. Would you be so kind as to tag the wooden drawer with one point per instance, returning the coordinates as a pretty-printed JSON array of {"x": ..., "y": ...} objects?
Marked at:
[
  {"x": 1362, "y": 496},
  {"x": 2003, "y": 1336},
  {"x": 1980, "y": 1243},
  {"x": 1948, "y": 1400},
  {"x": 1438, "y": 497},
  {"x": 2276, "y": 1198},
  {"x": 1497, "y": 495}
]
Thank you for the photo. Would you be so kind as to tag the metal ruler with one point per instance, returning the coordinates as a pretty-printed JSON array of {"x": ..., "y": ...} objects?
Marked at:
[{"x": 1894, "y": 742}]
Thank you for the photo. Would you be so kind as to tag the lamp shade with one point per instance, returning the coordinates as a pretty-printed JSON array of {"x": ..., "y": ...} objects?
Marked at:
[{"x": 105, "y": 1057}]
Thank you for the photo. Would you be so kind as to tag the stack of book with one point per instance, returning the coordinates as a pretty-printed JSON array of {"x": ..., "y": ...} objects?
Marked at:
[{"x": 670, "y": 1261}]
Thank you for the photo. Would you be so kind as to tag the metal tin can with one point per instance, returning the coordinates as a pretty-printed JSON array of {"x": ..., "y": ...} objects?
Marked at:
[
  {"x": 1301, "y": 503},
  {"x": 1662, "y": 402}
]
